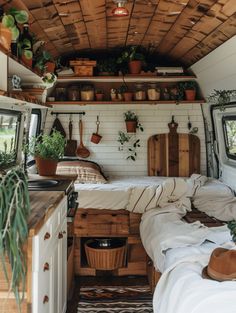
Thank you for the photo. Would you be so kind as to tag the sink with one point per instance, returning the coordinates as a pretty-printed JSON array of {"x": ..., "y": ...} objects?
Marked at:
[{"x": 42, "y": 183}]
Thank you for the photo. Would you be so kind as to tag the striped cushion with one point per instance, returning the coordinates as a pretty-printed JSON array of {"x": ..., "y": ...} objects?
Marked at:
[{"x": 87, "y": 172}]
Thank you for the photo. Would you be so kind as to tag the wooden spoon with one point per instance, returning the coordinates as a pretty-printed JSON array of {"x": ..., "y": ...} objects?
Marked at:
[{"x": 82, "y": 151}]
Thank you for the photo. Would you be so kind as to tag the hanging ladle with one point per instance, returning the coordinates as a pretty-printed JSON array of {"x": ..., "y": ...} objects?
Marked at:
[{"x": 82, "y": 151}]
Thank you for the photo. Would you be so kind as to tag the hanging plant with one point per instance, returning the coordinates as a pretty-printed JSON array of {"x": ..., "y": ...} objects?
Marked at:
[
  {"x": 232, "y": 227},
  {"x": 221, "y": 97},
  {"x": 14, "y": 211},
  {"x": 134, "y": 143}
]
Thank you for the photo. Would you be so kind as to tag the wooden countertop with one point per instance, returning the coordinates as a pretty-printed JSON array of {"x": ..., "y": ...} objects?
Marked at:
[{"x": 43, "y": 203}]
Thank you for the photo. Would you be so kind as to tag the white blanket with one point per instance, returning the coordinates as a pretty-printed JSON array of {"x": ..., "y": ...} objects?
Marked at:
[
  {"x": 212, "y": 197},
  {"x": 182, "y": 289}
]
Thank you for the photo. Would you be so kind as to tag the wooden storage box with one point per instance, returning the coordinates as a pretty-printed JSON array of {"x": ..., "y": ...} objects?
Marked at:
[
  {"x": 105, "y": 258},
  {"x": 83, "y": 67}
]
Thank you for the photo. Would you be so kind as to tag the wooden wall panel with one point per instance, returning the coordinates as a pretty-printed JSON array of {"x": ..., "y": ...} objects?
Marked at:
[{"x": 184, "y": 30}]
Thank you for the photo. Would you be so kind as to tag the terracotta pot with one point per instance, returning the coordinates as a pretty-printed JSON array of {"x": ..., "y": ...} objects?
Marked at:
[
  {"x": 131, "y": 126},
  {"x": 27, "y": 62},
  {"x": 99, "y": 96},
  {"x": 5, "y": 37},
  {"x": 135, "y": 67},
  {"x": 46, "y": 167},
  {"x": 128, "y": 96},
  {"x": 190, "y": 95},
  {"x": 50, "y": 67},
  {"x": 95, "y": 138}
]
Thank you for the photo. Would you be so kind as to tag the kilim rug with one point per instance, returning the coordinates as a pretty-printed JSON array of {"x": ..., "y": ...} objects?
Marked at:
[{"x": 113, "y": 299}]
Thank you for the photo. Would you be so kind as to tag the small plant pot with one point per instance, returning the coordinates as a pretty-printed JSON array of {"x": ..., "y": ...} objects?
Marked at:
[
  {"x": 99, "y": 96},
  {"x": 96, "y": 138},
  {"x": 135, "y": 67},
  {"x": 46, "y": 167},
  {"x": 27, "y": 62},
  {"x": 131, "y": 126},
  {"x": 50, "y": 67},
  {"x": 5, "y": 37},
  {"x": 128, "y": 96},
  {"x": 190, "y": 95}
]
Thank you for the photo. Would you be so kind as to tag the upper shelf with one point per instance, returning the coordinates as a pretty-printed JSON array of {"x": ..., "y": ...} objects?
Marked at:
[{"x": 126, "y": 78}]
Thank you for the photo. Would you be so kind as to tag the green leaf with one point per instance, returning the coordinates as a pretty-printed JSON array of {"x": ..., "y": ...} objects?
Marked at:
[
  {"x": 22, "y": 16},
  {"x": 15, "y": 32},
  {"x": 8, "y": 21},
  {"x": 28, "y": 54}
]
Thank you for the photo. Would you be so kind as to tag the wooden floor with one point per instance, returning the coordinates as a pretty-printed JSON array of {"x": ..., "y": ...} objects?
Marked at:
[{"x": 105, "y": 280}]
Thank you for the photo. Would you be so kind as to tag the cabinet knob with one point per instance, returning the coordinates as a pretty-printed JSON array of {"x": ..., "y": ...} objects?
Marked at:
[
  {"x": 149, "y": 263},
  {"x": 64, "y": 232},
  {"x": 45, "y": 299},
  {"x": 47, "y": 236},
  {"x": 60, "y": 235},
  {"x": 46, "y": 267}
]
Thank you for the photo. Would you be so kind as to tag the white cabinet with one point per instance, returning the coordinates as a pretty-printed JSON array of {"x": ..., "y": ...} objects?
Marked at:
[{"x": 49, "y": 264}]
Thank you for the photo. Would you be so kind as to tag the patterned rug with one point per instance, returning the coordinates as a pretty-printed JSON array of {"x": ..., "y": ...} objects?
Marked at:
[{"x": 123, "y": 299}]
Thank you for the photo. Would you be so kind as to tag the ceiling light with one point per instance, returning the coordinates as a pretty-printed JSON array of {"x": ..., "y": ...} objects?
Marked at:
[{"x": 120, "y": 9}]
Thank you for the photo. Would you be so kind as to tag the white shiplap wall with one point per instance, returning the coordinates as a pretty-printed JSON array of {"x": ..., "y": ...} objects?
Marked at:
[{"x": 154, "y": 119}]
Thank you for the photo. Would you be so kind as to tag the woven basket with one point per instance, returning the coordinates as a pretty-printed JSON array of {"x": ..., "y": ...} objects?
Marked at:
[{"x": 106, "y": 258}]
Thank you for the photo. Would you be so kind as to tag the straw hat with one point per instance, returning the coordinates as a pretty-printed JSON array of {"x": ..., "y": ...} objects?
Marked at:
[{"x": 221, "y": 266}]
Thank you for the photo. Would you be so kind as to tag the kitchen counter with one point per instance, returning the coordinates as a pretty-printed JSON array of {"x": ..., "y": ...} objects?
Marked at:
[{"x": 43, "y": 203}]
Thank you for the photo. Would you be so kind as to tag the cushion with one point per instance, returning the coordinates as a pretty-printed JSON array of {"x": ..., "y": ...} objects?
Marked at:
[{"x": 86, "y": 171}]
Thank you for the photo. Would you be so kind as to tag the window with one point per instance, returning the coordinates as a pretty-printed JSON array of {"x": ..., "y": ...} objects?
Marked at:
[
  {"x": 229, "y": 126},
  {"x": 34, "y": 130},
  {"x": 9, "y": 133}
]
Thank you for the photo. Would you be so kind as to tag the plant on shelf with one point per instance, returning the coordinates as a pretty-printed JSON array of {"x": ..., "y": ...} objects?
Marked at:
[
  {"x": 133, "y": 58},
  {"x": 14, "y": 17},
  {"x": 43, "y": 61},
  {"x": 132, "y": 122},
  {"x": 188, "y": 89},
  {"x": 99, "y": 94},
  {"x": 14, "y": 208},
  {"x": 49, "y": 79},
  {"x": 221, "y": 97},
  {"x": 107, "y": 67},
  {"x": 47, "y": 150}
]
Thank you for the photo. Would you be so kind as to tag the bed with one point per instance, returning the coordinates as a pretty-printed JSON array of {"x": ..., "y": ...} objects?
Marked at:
[{"x": 180, "y": 251}]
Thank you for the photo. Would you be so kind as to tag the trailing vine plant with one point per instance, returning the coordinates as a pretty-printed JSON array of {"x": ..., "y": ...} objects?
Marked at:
[
  {"x": 133, "y": 145},
  {"x": 14, "y": 211},
  {"x": 221, "y": 97}
]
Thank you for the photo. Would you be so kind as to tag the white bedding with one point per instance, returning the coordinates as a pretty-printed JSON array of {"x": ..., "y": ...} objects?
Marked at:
[{"x": 114, "y": 195}]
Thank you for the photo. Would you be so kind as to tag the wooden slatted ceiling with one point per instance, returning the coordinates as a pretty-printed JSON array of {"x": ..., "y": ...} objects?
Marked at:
[{"x": 185, "y": 30}]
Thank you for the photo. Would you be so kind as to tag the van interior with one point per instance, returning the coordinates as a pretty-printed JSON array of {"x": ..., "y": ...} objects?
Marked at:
[{"x": 117, "y": 156}]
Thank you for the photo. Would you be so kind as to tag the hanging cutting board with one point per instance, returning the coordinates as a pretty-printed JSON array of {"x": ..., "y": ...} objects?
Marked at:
[{"x": 173, "y": 154}]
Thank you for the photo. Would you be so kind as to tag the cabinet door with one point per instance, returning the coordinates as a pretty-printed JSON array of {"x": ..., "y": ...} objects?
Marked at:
[{"x": 62, "y": 268}]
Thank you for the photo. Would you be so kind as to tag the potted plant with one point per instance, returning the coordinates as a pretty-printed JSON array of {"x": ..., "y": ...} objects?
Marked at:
[
  {"x": 132, "y": 122},
  {"x": 15, "y": 209},
  {"x": 133, "y": 58},
  {"x": 107, "y": 67},
  {"x": 43, "y": 61},
  {"x": 221, "y": 97},
  {"x": 189, "y": 89},
  {"x": 99, "y": 94},
  {"x": 126, "y": 94},
  {"x": 47, "y": 150}
]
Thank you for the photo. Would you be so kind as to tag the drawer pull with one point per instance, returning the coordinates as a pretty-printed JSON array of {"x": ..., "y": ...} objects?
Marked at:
[
  {"x": 60, "y": 235},
  {"x": 46, "y": 267},
  {"x": 45, "y": 299},
  {"x": 83, "y": 215},
  {"x": 47, "y": 236},
  {"x": 64, "y": 232}
]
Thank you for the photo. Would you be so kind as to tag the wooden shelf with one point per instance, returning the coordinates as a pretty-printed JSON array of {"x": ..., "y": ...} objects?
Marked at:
[
  {"x": 22, "y": 100},
  {"x": 126, "y": 78},
  {"x": 121, "y": 102}
]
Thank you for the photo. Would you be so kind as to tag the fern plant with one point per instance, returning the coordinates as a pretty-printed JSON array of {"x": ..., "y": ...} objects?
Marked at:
[{"x": 14, "y": 211}]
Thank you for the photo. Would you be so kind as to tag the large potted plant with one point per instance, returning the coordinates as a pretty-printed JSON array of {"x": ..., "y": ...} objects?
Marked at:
[
  {"x": 47, "y": 150},
  {"x": 133, "y": 58},
  {"x": 15, "y": 209},
  {"x": 132, "y": 122}
]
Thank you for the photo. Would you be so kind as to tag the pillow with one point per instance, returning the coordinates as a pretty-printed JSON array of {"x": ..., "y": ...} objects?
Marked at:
[{"x": 87, "y": 172}]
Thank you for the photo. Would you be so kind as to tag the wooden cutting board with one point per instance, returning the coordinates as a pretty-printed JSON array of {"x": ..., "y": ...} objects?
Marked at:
[{"x": 173, "y": 154}]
